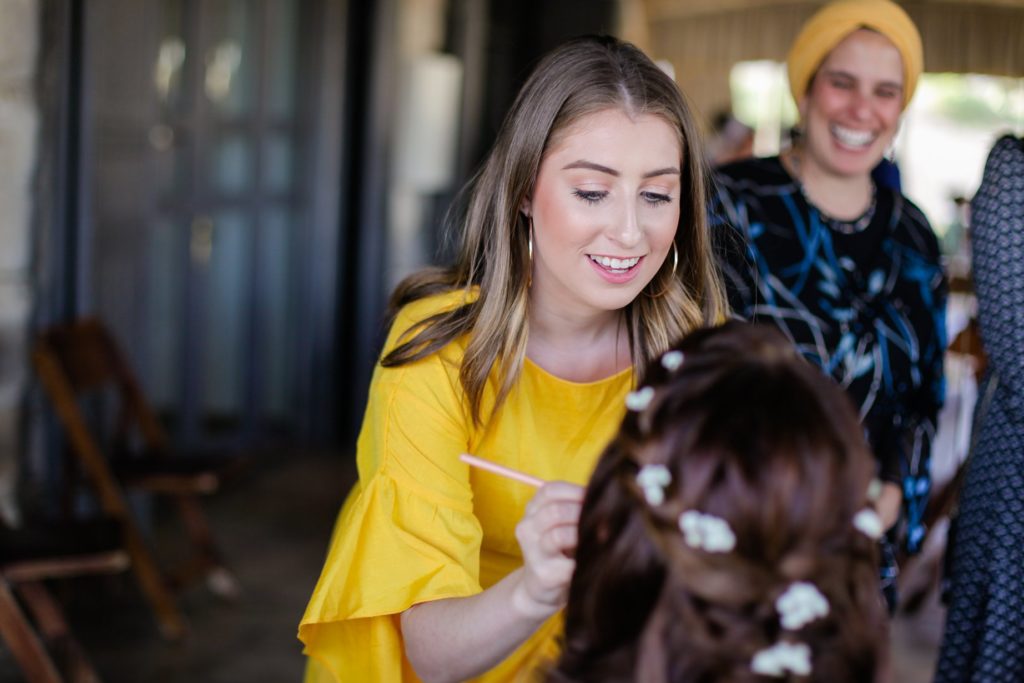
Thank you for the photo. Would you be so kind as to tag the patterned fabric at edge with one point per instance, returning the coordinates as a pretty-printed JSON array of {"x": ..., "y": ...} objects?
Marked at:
[
  {"x": 984, "y": 638},
  {"x": 864, "y": 300}
]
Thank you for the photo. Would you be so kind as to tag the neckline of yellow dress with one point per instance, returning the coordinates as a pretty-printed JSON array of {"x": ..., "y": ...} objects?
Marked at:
[{"x": 617, "y": 377}]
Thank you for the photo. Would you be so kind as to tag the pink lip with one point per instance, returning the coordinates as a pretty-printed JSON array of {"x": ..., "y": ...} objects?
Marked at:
[{"x": 616, "y": 278}]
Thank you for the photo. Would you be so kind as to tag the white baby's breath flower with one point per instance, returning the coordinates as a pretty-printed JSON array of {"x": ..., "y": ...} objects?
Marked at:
[
  {"x": 689, "y": 524},
  {"x": 639, "y": 399},
  {"x": 868, "y": 523},
  {"x": 800, "y": 604},
  {"x": 707, "y": 532},
  {"x": 718, "y": 537},
  {"x": 654, "y": 495},
  {"x": 653, "y": 474},
  {"x": 653, "y": 478},
  {"x": 781, "y": 658},
  {"x": 672, "y": 360}
]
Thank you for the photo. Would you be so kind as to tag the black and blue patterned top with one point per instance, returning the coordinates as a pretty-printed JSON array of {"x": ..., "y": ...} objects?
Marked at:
[{"x": 865, "y": 300}]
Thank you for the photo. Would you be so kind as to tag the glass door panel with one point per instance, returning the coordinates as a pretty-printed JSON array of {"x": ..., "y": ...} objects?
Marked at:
[
  {"x": 196, "y": 117},
  {"x": 230, "y": 56},
  {"x": 226, "y": 334},
  {"x": 277, "y": 303},
  {"x": 232, "y": 163},
  {"x": 282, "y": 57},
  {"x": 163, "y": 313},
  {"x": 278, "y": 167},
  {"x": 169, "y": 69}
]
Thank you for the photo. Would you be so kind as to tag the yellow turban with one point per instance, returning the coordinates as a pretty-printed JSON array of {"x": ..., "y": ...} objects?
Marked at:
[{"x": 835, "y": 21}]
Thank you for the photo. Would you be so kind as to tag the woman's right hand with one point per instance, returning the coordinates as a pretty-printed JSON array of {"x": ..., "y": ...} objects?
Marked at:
[{"x": 547, "y": 536}]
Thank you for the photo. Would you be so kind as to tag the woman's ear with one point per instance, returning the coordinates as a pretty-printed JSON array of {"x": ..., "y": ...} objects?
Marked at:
[
  {"x": 526, "y": 207},
  {"x": 801, "y": 108}
]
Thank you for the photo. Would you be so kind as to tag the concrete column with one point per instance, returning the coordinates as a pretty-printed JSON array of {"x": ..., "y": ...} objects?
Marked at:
[{"x": 19, "y": 35}]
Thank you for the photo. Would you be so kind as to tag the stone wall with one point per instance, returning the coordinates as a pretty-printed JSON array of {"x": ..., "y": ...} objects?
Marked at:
[{"x": 19, "y": 33}]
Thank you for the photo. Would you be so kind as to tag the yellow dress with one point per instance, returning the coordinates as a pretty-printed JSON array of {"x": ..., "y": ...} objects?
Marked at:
[{"x": 421, "y": 525}]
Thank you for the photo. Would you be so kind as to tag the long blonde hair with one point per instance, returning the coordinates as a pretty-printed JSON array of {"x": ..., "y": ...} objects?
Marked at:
[{"x": 582, "y": 77}]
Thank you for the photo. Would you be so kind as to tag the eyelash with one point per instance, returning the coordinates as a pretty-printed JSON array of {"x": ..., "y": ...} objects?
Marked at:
[
  {"x": 594, "y": 197},
  {"x": 655, "y": 198},
  {"x": 590, "y": 196}
]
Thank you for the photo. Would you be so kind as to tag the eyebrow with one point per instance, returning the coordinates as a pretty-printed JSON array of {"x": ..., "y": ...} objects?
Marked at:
[
  {"x": 847, "y": 74},
  {"x": 668, "y": 170}
]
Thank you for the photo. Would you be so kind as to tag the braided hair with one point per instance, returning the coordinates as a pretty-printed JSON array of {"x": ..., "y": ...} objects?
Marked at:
[{"x": 748, "y": 433}]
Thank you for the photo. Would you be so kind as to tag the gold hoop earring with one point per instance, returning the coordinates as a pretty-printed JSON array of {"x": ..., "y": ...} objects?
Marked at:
[
  {"x": 529, "y": 255},
  {"x": 675, "y": 264}
]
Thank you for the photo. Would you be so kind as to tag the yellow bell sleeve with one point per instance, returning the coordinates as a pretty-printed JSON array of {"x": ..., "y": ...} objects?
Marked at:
[{"x": 407, "y": 532}]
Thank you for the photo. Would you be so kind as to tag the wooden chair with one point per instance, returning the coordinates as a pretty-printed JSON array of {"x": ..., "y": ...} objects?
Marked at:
[
  {"x": 82, "y": 358},
  {"x": 40, "y": 641}
]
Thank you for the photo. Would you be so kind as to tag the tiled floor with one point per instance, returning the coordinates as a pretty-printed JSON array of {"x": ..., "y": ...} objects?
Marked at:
[{"x": 274, "y": 526}]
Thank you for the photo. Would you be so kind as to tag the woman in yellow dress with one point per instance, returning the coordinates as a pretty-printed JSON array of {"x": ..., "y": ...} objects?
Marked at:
[{"x": 584, "y": 253}]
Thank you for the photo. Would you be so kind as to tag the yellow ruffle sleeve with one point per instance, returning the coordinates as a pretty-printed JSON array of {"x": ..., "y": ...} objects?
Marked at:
[
  {"x": 391, "y": 550},
  {"x": 407, "y": 532}
]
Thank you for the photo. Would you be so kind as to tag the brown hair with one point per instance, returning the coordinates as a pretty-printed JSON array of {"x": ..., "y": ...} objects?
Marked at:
[
  {"x": 582, "y": 77},
  {"x": 756, "y": 436}
]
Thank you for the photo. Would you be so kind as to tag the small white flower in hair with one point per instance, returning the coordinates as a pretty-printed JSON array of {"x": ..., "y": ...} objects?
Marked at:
[
  {"x": 781, "y": 658},
  {"x": 653, "y": 478},
  {"x": 672, "y": 360},
  {"x": 641, "y": 398},
  {"x": 800, "y": 604},
  {"x": 707, "y": 532},
  {"x": 868, "y": 523}
]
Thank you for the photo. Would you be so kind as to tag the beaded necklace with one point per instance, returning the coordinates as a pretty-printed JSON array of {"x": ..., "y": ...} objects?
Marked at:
[{"x": 837, "y": 224}]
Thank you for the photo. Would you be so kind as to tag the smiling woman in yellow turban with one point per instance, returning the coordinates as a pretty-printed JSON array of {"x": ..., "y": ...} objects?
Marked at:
[
  {"x": 826, "y": 29},
  {"x": 847, "y": 269}
]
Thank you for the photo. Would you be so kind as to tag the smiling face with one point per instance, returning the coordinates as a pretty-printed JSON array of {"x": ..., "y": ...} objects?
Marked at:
[
  {"x": 852, "y": 107},
  {"x": 605, "y": 209}
]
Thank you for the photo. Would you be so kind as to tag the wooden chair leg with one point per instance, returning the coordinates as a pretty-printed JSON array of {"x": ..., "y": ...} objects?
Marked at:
[
  {"x": 151, "y": 581},
  {"x": 50, "y": 622},
  {"x": 25, "y": 645},
  {"x": 207, "y": 560},
  {"x": 198, "y": 528}
]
